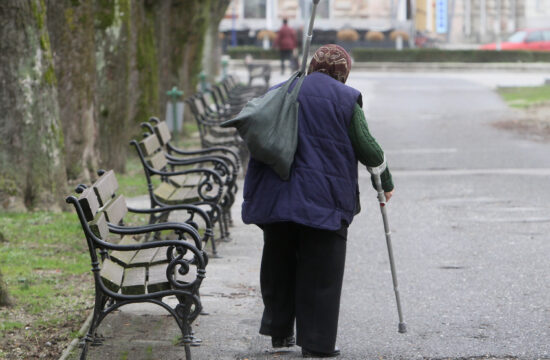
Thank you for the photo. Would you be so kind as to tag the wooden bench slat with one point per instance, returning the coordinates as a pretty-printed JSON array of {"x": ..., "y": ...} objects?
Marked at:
[
  {"x": 143, "y": 257},
  {"x": 134, "y": 281},
  {"x": 163, "y": 133},
  {"x": 105, "y": 187},
  {"x": 149, "y": 145},
  {"x": 217, "y": 141},
  {"x": 111, "y": 273},
  {"x": 99, "y": 226},
  {"x": 89, "y": 203},
  {"x": 122, "y": 257},
  {"x": 164, "y": 191},
  {"x": 116, "y": 209},
  {"x": 187, "y": 180},
  {"x": 157, "y": 161},
  {"x": 179, "y": 196},
  {"x": 157, "y": 280},
  {"x": 160, "y": 256},
  {"x": 192, "y": 195}
]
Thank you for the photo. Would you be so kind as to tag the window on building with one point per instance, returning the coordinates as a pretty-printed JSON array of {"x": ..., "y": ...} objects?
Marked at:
[
  {"x": 323, "y": 9},
  {"x": 254, "y": 9}
]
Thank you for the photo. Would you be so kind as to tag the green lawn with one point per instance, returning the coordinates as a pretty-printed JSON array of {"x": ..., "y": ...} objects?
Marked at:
[
  {"x": 133, "y": 182},
  {"x": 45, "y": 263},
  {"x": 523, "y": 97}
]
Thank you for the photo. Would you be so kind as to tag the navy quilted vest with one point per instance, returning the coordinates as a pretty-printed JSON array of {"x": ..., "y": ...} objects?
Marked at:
[{"x": 322, "y": 189}]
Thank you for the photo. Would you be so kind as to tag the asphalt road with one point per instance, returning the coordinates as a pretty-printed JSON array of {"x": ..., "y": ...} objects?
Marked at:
[
  {"x": 471, "y": 232},
  {"x": 471, "y": 228}
]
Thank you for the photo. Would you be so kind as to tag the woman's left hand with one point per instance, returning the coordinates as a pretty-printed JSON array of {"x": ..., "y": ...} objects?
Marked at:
[{"x": 389, "y": 194}]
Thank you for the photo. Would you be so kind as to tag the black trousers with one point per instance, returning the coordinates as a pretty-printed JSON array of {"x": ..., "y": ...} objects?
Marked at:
[
  {"x": 285, "y": 55},
  {"x": 301, "y": 279}
]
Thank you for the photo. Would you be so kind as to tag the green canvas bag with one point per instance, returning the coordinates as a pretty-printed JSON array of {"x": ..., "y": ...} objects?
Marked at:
[{"x": 269, "y": 126}]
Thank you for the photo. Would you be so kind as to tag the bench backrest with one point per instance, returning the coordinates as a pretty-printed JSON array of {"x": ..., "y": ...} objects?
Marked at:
[
  {"x": 153, "y": 153},
  {"x": 163, "y": 133},
  {"x": 100, "y": 204}
]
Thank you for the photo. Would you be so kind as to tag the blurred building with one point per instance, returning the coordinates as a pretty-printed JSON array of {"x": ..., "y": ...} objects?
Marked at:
[
  {"x": 451, "y": 21},
  {"x": 331, "y": 14},
  {"x": 478, "y": 21}
]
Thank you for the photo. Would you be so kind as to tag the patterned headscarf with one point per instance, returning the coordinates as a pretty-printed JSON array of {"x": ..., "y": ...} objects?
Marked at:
[{"x": 332, "y": 60}]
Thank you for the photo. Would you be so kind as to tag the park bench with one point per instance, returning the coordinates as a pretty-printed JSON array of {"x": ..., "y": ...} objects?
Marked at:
[
  {"x": 205, "y": 157},
  {"x": 127, "y": 268},
  {"x": 228, "y": 154},
  {"x": 222, "y": 102},
  {"x": 208, "y": 123},
  {"x": 198, "y": 186},
  {"x": 212, "y": 135},
  {"x": 230, "y": 95},
  {"x": 258, "y": 71},
  {"x": 229, "y": 166}
]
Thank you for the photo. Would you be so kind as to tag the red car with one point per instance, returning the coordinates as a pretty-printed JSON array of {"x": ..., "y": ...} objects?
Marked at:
[{"x": 527, "y": 39}]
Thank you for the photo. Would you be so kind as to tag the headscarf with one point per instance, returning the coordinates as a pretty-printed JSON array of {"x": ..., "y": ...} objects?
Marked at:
[{"x": 332, "y": 60}]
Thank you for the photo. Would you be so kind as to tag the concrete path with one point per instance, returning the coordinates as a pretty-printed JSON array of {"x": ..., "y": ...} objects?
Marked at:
[{"x": 470, "y": 221}]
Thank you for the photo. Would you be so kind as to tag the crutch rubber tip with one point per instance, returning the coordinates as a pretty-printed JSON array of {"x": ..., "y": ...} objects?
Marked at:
[{"x": 402, "y": 328}]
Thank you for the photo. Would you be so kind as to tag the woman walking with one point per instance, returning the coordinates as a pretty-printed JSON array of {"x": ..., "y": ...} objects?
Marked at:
[
  {"x": 305, "y": 219},
  {"x": 286, "y": 42}
]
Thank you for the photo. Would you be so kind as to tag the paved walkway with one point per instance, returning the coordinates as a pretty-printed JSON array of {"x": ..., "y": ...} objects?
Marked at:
[{"x": 470, "y": 222}]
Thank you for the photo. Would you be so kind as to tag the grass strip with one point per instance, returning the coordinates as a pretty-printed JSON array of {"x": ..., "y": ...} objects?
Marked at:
[{"x": 524, "y": 97}]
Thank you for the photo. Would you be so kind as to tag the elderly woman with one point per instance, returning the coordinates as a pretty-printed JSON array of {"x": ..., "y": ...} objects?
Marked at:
[{"x": 305, "y": 219}]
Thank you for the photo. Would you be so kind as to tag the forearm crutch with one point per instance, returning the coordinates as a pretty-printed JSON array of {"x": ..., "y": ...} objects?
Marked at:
[{"x": 377, "y": 172}]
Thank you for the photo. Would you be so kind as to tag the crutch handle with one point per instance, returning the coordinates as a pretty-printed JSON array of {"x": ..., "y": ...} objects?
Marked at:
[{"x": 378, "y": 170}]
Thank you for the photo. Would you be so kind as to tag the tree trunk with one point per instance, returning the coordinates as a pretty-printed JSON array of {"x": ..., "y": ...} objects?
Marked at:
[
  {"x": 32, "y": 166},
  {"x": 114, "y": 57},
  {"x": 212, "y": 46},
  {"x": 71, "y": 28},
  {"x": 147, "y": 63},
  {"x": 193, "y": 32},
  {"x": 5, "y": 299}
]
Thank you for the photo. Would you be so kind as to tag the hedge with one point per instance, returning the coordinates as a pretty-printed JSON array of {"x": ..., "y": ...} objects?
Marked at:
[
  {"x": 437, "y": 55},
  {"x": 411, "y": 55},
  {"x": 239, "y": 52}
]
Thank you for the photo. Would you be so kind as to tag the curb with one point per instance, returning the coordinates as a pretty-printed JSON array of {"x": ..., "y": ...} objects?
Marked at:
[
  {"x": 74, "y": 342},
  {"x": 422, "y": 66}
]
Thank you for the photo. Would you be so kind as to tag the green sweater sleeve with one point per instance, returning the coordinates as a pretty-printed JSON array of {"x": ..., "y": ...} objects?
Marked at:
[{"x": 366, "y": 148}]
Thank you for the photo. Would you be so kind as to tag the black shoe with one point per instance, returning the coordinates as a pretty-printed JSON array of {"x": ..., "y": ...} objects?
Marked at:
[
  {"x": 315, "y": 354},
  {"x": 279, "y": 342}
]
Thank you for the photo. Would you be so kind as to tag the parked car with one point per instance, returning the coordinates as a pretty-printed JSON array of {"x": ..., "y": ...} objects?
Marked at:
[{"x": 527, "y": 39}]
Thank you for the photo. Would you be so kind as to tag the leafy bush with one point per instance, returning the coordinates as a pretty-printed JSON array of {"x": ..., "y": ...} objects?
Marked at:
[
  {"x": 239, "y": 52},
  {"x": 347, "y": 35},
  {"x": 412, "y": 55},
  {"x": 437, "y": 55},
  {"x": 375, "y": 36},
  {"x": 271, "y": 35},
  {"x": 399, "y": 33}
]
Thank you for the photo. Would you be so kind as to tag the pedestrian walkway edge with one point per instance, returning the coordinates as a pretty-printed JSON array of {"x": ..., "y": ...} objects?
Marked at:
[{"x": 74, "y": 342}]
